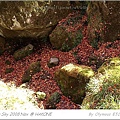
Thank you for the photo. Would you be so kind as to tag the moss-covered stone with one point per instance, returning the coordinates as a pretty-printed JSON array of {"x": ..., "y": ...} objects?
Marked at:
[
  {"x": 32, "y": 69},
  {"x": 7, "y": 62},
  {"x": 72, "y": 80},
  {"x": 67, "y": 34},
  {"x": 9, "y": 70},
  {"x": 103, "y": 90},
  {"x": 53, "y": 100},
  {"x": 40, "y": 95},
  {"x": 111, "y": 68},
  {"x": 23, "y": 52},
  {"x": 103, "y": 17}
]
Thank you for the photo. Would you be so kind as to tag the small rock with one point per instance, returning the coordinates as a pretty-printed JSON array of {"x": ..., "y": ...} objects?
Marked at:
[
  {"x": 23, "y": 52},
  {"x": 72, "y": 80},
  {"x": 40, "y": 95},
  {"x": 54, "y": 61},
  {"x": 53, "y": 100},
  {"x": 9, "y": 70},
  {"x": 32, "y": 69}
]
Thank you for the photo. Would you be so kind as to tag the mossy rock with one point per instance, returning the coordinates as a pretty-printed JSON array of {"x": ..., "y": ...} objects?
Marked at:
[
  {"x": 53, "y": 100},
  {"x": 63, "y": 37},
  {"x": 72, "y": 80},
  {"x": 40, "y": 95},
  {"x": 9, "y": 70},
  {"x": 23, "y": 52},
  {"x": 32, "y": 69},
  {"x": 7, "y": 62},
  {"x": 103, "y": 90}
]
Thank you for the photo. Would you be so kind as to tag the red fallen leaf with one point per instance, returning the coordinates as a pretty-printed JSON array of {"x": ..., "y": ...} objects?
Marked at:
[{"x": 44, "y": 52}]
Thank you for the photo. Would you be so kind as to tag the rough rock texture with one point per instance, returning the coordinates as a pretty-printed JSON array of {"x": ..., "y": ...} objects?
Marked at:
[
  {"x": 32, "y": 69},
  {"x": 23, "y": 52},
  {"x": 103, "y": 18},
  {"x": 103, "y": 90},
  {"x": 72, "y": 80},
  {"x": 54, "y": 61},
  {"x": 9, "y": 70},
  {"x": 68, "y": 33},
  {"x": 53, "y": 100},
  {"x": 31, "y": 18}
]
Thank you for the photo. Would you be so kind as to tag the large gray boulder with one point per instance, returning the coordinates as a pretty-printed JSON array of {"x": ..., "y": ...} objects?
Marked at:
[
  {"x": 23, "y": 52},
  {"x": 31, "y": 18},
  {"x": 33, "y": 68}
]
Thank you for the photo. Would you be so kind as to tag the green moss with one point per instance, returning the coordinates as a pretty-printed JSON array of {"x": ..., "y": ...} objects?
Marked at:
[
  {"x": 53, "y": 100},
  {"x": 72, "y": 80},
  {"x": 103, "y": 89},
  {"x": 78, "y": 38},
  {"x": 41, "y": 95},
  {"x": 32, "y": 69},
  {"x": 9, "y": 70},
  {"x": 7, "y": 62},
  {"x": 23, "y": 52}
]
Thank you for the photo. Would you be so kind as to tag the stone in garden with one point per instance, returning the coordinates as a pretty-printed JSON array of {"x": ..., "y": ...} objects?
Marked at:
[
  {"x": 7, "y": 62},
  {"x": 53, "y": 100},
  {"x": 23, "y": 52},
  {"x": 40, "y": 95},
  {"x": 33, "y": 68},
  {"x": 54, "y": 61},
  {"x": 72, "y": 80}
]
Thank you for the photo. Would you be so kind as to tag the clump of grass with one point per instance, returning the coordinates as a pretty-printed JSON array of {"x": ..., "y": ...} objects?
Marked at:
[{"x": 103, "y": 90}]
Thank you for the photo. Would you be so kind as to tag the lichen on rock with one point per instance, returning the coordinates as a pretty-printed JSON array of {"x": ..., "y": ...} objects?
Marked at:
[
  {"x": 23, "y": 52},
  {"x": 72, "y": 80},
  {"x": 33, "y": 68}
]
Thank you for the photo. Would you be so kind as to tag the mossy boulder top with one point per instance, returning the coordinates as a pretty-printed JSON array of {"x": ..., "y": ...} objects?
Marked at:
[
  {"x": 103, "y": 90},
  {"x": 33, "y": 68},
  {"x": 76, "y": 70},
  {"x": 72, "y": 80}
]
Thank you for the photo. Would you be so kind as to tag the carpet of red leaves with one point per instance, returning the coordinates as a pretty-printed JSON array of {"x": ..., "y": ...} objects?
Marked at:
[{"x": 44, "y": 80}]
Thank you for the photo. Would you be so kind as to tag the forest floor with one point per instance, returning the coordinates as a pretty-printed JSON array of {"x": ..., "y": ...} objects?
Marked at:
[{"x": 44, "y": 81}]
